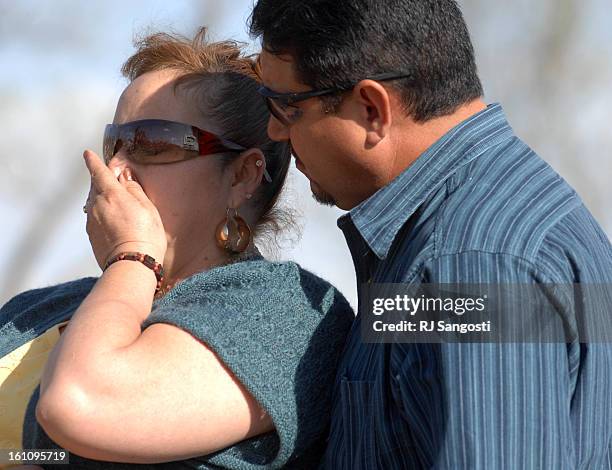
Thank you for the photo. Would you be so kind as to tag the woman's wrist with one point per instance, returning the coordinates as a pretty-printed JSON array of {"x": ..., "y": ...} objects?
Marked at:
[
  {"x": 143, "y": 258},
  {"x": 149, "y": 249},
  {"x": 134, "y": 276}
]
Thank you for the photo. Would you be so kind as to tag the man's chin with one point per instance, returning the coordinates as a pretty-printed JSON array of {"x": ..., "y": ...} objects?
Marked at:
[{"x": 321, "y": 196}]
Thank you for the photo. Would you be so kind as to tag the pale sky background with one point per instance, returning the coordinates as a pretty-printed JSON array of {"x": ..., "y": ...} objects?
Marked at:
[{"x": 548, "y": 62}]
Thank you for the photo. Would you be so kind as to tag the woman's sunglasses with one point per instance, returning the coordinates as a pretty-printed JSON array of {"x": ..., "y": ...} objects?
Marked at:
[{"x": 158, "y": 142}]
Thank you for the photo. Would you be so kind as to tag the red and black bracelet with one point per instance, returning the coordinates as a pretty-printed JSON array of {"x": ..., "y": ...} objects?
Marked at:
[{"x": 147, "y": 260}]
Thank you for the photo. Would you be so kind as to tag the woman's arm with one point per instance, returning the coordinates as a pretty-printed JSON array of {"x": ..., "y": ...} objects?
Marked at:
[{"x": 110, "y": 392}]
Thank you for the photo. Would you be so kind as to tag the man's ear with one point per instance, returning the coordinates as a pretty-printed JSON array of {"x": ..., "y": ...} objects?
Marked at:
[
  {"x": 376, "y": 105},
  {"x": 248, "y": 173}
]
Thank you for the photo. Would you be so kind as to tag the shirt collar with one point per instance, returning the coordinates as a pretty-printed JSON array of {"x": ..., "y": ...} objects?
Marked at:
[{"x": 380, "y": 217}]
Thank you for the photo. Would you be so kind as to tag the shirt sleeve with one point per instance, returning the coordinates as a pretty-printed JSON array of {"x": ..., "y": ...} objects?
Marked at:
[
  {"x": 280, "y": 331},
  {"x": 513, "y": 405}
]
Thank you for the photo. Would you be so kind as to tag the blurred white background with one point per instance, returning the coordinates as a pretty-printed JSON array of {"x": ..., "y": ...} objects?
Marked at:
[{"x": 549, "y": 62}]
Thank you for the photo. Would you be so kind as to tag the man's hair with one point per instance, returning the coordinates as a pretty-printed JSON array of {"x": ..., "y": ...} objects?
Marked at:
[
  {"x": 224, "y": 85},
  {"x": 336, "y": 43}
]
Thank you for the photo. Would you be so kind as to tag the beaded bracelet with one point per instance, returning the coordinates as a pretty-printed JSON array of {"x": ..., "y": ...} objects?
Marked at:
[{"x": 147, "y": 260}]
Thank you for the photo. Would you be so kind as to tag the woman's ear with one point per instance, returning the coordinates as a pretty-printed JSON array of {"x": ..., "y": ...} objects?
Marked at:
[{"x": 249, "y": 170}]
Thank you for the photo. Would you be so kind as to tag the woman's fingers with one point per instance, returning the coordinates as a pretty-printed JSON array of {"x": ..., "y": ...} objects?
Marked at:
[
  {"x": 88, "y": 201},
  {"x": 102, "y": 177},
  {"x": 120, "y": 215},
  {"x": 130, "y": 183}
]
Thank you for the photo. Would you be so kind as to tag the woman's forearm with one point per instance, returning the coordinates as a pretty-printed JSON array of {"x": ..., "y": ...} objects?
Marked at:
[{"x": 108, "y": 320}]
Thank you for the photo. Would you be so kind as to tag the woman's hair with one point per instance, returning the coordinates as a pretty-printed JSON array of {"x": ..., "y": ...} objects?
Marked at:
[{"x": 225, "y": 83}]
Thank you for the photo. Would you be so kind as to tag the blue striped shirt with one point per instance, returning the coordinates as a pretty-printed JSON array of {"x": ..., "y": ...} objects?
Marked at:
[{"x": 479, "y": 206}]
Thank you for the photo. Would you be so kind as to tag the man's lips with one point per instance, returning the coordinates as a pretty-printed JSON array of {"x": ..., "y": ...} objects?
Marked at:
[{"x": 300, "y": 166}]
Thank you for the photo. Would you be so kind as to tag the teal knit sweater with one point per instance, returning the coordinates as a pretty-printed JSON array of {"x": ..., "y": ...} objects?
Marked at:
[{"x": 277, "y": 327}]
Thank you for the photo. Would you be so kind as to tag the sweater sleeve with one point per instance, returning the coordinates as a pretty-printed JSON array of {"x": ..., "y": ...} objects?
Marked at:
[
  {"x": 31, "y": 313},
  {"x": 280, "y": 330}
]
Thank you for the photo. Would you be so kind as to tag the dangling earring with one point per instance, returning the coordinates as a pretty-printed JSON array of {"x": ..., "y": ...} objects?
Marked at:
[{"x": 233, "y": 234}]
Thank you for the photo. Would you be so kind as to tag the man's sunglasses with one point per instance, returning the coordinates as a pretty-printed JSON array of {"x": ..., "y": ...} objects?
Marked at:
[
  {"x": 157, "y": 142},
  {"x": 282, "y": 105}
]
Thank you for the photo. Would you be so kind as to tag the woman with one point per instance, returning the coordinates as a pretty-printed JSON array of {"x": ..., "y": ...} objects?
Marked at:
[{"x": 220, "y": 359}]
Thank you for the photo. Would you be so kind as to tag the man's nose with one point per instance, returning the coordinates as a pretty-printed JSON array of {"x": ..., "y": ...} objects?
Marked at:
[{"x": 277, "y": 130}]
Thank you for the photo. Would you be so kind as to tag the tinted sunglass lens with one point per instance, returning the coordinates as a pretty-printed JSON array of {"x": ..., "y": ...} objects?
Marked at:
[
  {"x": 108, "y": 144},
  {"x": 148, "y": 141},
  {"x": 157, "y": 141}
]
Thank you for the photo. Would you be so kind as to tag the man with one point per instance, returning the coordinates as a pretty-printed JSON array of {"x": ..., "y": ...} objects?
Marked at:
[{"x": 383, "y": 106}]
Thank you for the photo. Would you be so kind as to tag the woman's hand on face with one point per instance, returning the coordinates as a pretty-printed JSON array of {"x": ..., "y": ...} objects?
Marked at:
[{"x": 120, "y": 216}]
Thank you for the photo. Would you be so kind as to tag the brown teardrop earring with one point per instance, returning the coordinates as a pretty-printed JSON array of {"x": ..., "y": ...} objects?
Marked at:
[{"x": 233, "y": 234}]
